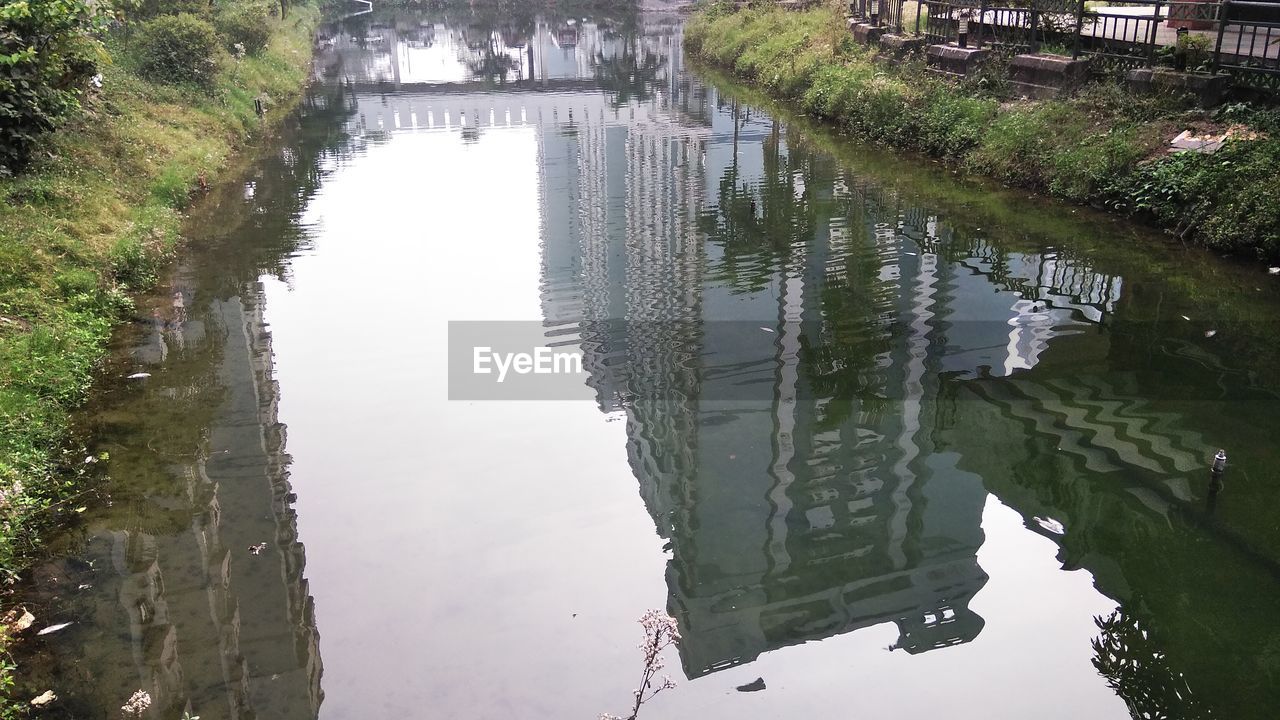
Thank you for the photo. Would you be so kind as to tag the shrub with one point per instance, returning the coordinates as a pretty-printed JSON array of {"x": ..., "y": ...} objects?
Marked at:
[
  {"x": 177, "y": 49},
  {"x": 245, "y": 24},
  {"x": 147, "y": 9},
  {"x": 48, "y": 51}
]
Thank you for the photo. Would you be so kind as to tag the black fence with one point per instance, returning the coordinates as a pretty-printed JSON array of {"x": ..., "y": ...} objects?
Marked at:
[
  {"x": 1248, "y": 43},
  {"x": 1239, "y": 37},
  {"x": 888, "y": 14}
]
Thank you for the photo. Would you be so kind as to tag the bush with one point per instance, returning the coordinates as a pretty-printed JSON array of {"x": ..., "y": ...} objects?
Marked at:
[
  {"x": 245, "y": 24},
  {"x": 1226, "y": 200},
  {"x": 48, "y": 51},
  {"x": 147, "y": 9},
  {"x": 177, "y": 49}
]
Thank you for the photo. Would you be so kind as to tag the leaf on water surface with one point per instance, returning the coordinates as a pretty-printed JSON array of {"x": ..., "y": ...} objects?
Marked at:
[
  {"x": 44, "y": 698},
  {"x": 25, "y": 621},
  {"x": 54, "y": 628}
]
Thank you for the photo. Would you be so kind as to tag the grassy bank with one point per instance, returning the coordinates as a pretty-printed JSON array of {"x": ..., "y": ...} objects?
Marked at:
[
  {"x": 1104, "y": 147},
  {"x": 90, "y": 221}
]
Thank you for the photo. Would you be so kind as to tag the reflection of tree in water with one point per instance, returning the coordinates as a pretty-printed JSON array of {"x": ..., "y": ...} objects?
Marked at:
[
  {"x": 1138, "y": 671},
  {"x": 759, "y": 227},
  {"x": 630, "y": 73}
]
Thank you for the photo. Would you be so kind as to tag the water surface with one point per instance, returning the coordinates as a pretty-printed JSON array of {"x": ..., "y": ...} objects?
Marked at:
[{"x": 890, "y": 441}]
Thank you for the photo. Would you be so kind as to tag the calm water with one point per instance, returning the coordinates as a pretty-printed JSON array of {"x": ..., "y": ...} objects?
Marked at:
[{"x": 896, "y": 445}]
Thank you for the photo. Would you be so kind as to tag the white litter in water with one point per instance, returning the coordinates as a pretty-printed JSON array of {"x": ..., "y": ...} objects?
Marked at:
[
  {"x": 54, "y": 628},
  {"x": 138, "y": 376},
  {"x": 1051, "y": 525},
  {"x": 766, "y": 329}
]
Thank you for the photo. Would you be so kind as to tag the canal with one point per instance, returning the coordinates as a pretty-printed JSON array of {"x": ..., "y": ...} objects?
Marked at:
[{"x": 883, "y": 441}]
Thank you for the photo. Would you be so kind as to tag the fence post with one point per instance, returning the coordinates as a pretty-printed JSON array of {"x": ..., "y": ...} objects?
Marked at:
[
  {"x": 1151, "y": 35},
  {"x": 1075, "y": 50},
  {"x": 920, "y": 9},
  {"x": 1224, "y": 12},
  {"x": 1035, "y": 47},
  {"x": 982, "y": 21}
]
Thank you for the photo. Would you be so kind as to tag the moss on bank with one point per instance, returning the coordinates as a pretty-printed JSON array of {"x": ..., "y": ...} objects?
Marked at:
[
  {"x": 91, "y": 222},
  {"x": 1104, "y": 146}
]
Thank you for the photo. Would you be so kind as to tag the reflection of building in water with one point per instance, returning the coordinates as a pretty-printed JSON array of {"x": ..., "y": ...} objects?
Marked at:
[
  {"x": 782, "y": 528},
  {"x": 210, "y": 643}
]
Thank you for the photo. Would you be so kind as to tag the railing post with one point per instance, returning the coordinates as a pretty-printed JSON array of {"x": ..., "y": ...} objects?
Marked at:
[
  {"x": 1151, "y": 36},
  {"x": 920, "y": 9},
  {"x": 1075, "y": 50},
  {"x": 1224, "y": 12},
  {"x": 982, "y": 21},
  {"x": 1035, "y": 47}
]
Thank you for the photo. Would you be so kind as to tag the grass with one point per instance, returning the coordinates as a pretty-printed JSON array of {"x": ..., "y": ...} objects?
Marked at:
[
  {"x": 1104, "y": 146},
  {"x": 93, "y": 221}
]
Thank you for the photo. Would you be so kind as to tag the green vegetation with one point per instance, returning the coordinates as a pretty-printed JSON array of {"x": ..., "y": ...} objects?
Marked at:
[
  {"x": 47, "y": 52},
  {"x": 94, "y": 213},
  {"x": 177, "y": 49},
  {"x": 1103, "y": 147}
]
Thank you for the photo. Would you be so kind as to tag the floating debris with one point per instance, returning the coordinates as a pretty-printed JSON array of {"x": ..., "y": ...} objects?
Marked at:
[
  {"x": 1184, "y": 317},
  {"x": 1273, "y": 271},
  {"x": 257, "y": 549},
  {"x": 766, "y": 329},
  {"x": 1051, "y": 525},
  {"x": 137, "y": 704},
  {"x": 138, "y": 376},
  {"x": 754, "y": 686},
  {"x": 54, "y": 628},
  {"x": 1210, "y": 333},
  {"x": 44, "y": 698}
]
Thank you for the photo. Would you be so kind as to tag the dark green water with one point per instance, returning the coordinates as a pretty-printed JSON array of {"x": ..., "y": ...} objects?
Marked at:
[{"x": 896, "y": 444}]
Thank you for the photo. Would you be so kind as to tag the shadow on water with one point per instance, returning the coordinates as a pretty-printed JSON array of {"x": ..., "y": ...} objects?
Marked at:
[{"x": 826, "y": 356}]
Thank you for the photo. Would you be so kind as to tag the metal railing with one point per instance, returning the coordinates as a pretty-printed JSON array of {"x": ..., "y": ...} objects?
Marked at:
[
  {"x": 1121, "y": 35},
  {"x": 885, "y": 13},
  {"x": 1248, "y": 45}
]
